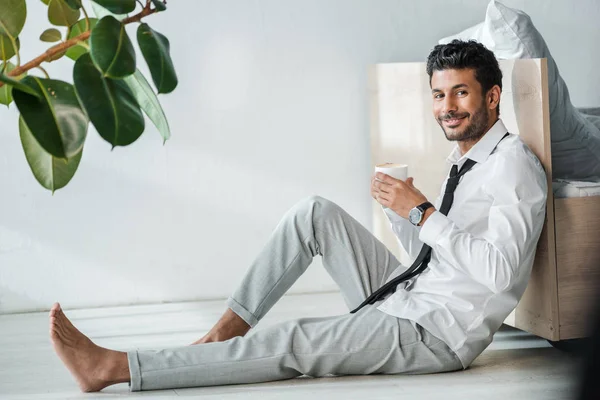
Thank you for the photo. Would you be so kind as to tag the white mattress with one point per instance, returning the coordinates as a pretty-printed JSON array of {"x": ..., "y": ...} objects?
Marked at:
[{"x": 564, "y": 188}]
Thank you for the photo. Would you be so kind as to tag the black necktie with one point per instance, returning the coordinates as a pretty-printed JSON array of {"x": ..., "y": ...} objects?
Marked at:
[{"x": 425, "y": 255}]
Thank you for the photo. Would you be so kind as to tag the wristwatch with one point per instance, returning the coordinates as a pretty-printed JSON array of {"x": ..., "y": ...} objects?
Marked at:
[{"x": 416, "y": 214}]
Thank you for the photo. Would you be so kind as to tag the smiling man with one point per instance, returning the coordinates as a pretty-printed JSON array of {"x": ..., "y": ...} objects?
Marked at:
[{"x": 473, "y": 250}]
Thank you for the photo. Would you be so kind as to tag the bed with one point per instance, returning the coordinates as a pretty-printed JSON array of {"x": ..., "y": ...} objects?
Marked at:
[{"x": 566, "y": 272}]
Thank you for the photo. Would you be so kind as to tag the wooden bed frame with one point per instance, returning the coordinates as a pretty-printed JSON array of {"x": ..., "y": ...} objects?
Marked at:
[{"x": 566, "y": 273}]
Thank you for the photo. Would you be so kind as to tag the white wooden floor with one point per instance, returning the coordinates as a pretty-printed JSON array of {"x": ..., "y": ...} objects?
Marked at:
[{"x": 516, "y": 364}]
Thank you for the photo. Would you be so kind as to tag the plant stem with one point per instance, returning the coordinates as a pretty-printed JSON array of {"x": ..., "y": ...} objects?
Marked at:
[
  {"x": 14, "y": 44},
  {"x": 84, "y": 44},
  {"x": 70, "y": 43},
  {"x": 44, "y": 71},
  {"x": 87, "y": 18}
]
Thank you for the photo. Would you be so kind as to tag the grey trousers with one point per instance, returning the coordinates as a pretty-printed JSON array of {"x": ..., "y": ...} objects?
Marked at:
[{"x": 367, "y": 342}]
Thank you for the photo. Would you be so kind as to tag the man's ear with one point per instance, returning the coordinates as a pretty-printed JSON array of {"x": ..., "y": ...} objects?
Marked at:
[{"x": 493, "y": 97}]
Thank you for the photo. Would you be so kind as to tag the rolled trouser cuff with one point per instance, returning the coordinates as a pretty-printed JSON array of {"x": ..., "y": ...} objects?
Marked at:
[
  {"x": 135, "y": 384},
  {"x": 242, "y": 312}
]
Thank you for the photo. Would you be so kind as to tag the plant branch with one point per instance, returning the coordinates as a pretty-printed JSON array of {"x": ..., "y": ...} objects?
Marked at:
[{"x": 47, "y": 55}]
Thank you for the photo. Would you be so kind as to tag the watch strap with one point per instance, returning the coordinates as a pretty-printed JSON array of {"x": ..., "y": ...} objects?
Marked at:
[{"x": 424, "y": 206}]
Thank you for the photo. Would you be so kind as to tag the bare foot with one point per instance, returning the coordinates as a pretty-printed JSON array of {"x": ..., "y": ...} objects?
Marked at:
[
  {"x": 229, "y": 326},
  {"x": 204, "y": 339},
  {"x": 93, "y": 367},
  {"x": 216, "y": 337}
]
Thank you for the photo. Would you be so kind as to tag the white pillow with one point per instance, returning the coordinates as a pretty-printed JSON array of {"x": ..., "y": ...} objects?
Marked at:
[
  {"x": 510, "y": 34},
  {"x": 591, "y": 114}
]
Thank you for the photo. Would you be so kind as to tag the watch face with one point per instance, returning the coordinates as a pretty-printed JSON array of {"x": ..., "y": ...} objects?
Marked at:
[{"x": 414, "y": 216}]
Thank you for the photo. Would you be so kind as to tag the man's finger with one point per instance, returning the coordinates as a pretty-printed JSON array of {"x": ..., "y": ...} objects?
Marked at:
[
  {"x": 385, "y": 178},
  {"x": 383, "y": 187},
  {"x": 380, "y": 176},
  {"x": 374, "y": 193},
  {"x": 382, "y": 196}
]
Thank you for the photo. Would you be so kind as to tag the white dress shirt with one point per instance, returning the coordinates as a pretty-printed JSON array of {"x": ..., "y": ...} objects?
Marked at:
[{"x": 482, "y": 252}]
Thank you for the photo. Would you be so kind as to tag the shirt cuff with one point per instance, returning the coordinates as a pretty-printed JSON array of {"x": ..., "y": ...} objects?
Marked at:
[
  {"x": 433, "y": 228},
  {"x": 397, "y": 220},
  {"x": 392, "y": 215}
]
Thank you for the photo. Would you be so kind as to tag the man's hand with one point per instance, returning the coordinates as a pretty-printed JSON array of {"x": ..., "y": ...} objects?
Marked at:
[{"x": 398, "y": 195}]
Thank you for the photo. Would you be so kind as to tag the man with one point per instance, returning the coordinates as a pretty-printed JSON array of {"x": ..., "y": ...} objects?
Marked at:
[{"x": 482, "y": 250}]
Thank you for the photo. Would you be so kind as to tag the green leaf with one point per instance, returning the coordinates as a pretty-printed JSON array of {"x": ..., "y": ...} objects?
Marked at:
[
  {"x": 6, "y": 95},
  {"x": 51, "y": 172},
  {"x": 55, "y": 118},
  {"x": 155, "y": 48},
  {"x": 117, "y": 6},
  {"x": 5, "y": 90},
  {"x": 51, "y": 35},
  {"x": 102, "y": 12},
  {"x": 7, "y": 49},
  {"x": 110, "y": 103},
  {"x": 19, "y": 85},
  {"x": 76, "y": 51},
  {"x": 148, "y": 102},
  {"x": 111, "y": 49},
  {"x": 46, "y": 2},
  {"x": 74, "y": 4},
  {"x": 12, "y": 17},
  {"x": 159, "y": 5},
  {"x": 60, "y": 14}
]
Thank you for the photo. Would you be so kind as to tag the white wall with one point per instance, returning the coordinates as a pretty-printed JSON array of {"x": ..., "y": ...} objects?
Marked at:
[{"x": 271, "y": 107}]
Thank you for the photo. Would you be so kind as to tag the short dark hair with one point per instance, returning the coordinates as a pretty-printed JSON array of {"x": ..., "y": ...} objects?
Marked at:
[{"x": 459, "y": 54}]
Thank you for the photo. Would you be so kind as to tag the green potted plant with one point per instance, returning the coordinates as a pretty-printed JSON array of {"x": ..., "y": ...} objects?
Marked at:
[{"x": 108, "y": 89}]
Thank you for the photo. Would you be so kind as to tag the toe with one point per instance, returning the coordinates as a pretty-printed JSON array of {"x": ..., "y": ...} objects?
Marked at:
[
  {"x": 59, "y": 327},
  {"x": 54, "y": 330},
  {"x": 55, "y": 308},
  {"x": 65, "y": 321},
  {"x": 62, "y": 330}
]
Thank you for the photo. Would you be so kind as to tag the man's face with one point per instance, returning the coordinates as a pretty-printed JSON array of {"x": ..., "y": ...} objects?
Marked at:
[{"x": 459, "y": 105}]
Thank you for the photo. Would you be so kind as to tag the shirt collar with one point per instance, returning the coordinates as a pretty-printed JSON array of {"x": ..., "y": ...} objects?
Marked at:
[{"x": 483, "y": 148}]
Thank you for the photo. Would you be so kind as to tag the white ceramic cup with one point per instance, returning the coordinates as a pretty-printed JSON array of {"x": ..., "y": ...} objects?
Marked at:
[{"x": 398, "y": 171}]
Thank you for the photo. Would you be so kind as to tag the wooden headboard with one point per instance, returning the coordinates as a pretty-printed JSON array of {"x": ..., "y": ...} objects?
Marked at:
[{"x": 403, "y": 130}]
